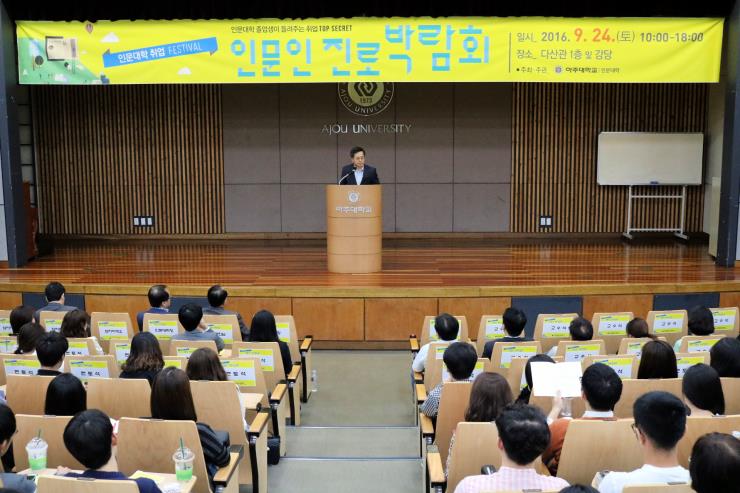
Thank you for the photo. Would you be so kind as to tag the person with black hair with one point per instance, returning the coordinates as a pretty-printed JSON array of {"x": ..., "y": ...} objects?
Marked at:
[
  {"x": 701, "y": 323},
  {"x": 724, "y": 357},
  {"x": 89, "y": 437},
  {"x": 7, "y": 430},
  {"x": 580, "y": 329},
  {"x": 460, "y": 359},
  {"x": 637, "y": 328},
  {"x": 702, "y": 391},
  {"x": 579, "y": 488},
  {"x": 514, "y": 321},
  {"x": 264, "y": 329},
  {"x": 216, "y": 299},
  {"x": 28, "y": 337},
  {"x": 523, "y": 436},
  {"x": 526, "y": 391},
  {"x": 145, "y": 358},
  {"x": 54, "y": 294},
  {"x": 601, "y": 389},
  {"x": 65, "y": 396},
  {"x": 715, "y": 464},
  {"x": 447, "y": 328},
  {"x": 190, "y": 316},
  {"x": 358, "y": 173},
  {"x": 660, "y": 422},
  {"x": 76, "y": 325},
  {"x": 159, "y": 302},
  {"x": 50, "y": 351},
  {"x": 658, "y": 360},
  {"x": 20, "y": 316}
]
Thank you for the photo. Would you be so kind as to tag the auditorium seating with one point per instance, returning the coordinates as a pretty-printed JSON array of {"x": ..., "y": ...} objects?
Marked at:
[
  {"x": 611, "y": 327},
  {"x": 632, "y": 389},
  {"x": 299, "y": 352},
  {"x": 551, "y": 328},
  {"x": 164, "y": 326},
  {"x": 26, "y": 394},
  {"x": 81, "y": 347},
  {"x": 578, "y": 350},
  {"x": 59, "y": 484},
  {"x": 119, "y": 397},
  {"x": 504, "y": 352},
  {"x": 731, "y": 389},
  {"x": 631, "y": 345},
  {"x": 625, "y": 365},
  {"x": 52, "y": 430},
  {"x": 109, "y": 327},
  {"x": 186, "y": 348},
  {"x": 226, "y": 326},
  {"x": 672, "y": 324},
  {"x": 659, "y": 488},
  {"x": 697, "y": 344},
  {"x": 698, "y": 426}
]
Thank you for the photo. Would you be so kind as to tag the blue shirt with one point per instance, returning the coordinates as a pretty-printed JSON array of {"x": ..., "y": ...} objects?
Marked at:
[
  {"x": 154, "y": 309},
  {"x": 145, "y": 485}
]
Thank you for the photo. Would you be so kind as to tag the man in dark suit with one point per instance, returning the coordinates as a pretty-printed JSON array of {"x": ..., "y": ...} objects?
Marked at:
[
  {"x": 358, "y": 173},
  {"x": 54, "y": 294},
  {"x": 216, "y": 299},
  {"x": 159, "y": 301}
]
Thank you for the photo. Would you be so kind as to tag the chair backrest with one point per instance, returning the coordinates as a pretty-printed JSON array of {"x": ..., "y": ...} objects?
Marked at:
[
  {"x": 164, "y": 326},
  {"x": 698, "y": 344},
  {"x": 226, "y": 326},
  {"x": 672, "y": 324},
  {"x": 148, "y": 445},
  {"x": 624, "y": 364},
  {"x": 731, "y": 389},
  {"x": 5, "y": 328},
  {"x": 504, "y": 352},
  {"x": 271, "y": 361},
  {"x": 452, "y": 404},
  {"x": 699, "y": 426},
  {"x": 26, "y": 394},
  {"x": 247, "y": 373},
  {"x": 287, "y": 333},
  {"x": 659, "y": 488},
  {"x": 684, "y": 361},
  {"x": 18, "y": 364},
  {"x": 119, "y": 349},
  {"x": 632, "y": 389},
  {"x": 726, "y": 321},
  {"x": 433, "y": 364},
  {"x": 8, "y": 344},
  {"x": 81, "y": 346},
  {"x": 186, "y": 348},
  {"x": 52, "y": 431},
  {"x": 443, "y": 375},
  {"x": 491, "y": 327},
  {"x": 109, "y": 327},
  {"x": 95, "y": 366},
  {"x": 60, "y": 484},
  {"x": 515, "y": 375},
  {"x": 428, "y": 334},
  {"x": 595, "y": 445},
  {"x": 633, "y": 345},
  {"x": 551, "y": 328},
  {"x": 476, "y": 445},
  {"x": 578, "y": 350},
  {"x": 612, "y": 328},
  {"x": 176, "y": 362},
  {"x": 119, "y": 397},
  {"x": 51, "y": 321}
]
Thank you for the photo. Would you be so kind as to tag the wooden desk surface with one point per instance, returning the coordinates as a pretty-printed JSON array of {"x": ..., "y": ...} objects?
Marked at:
[
  {"x": 251, "y": 401},
  {"x": 160, "y": 478}
]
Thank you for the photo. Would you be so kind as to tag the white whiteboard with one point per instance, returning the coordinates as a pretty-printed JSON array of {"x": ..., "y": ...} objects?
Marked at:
[{"x": 641, "y": 158}]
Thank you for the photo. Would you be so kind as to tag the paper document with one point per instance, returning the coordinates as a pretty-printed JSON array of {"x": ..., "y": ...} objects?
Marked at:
[{"x": 548, "y": 378}]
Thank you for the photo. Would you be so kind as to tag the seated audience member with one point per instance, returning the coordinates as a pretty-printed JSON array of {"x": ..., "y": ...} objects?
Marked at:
[
  {"x": 76, "y": 325},
  {"x": 601, "y": 389},
  {"x": 579, "y": 488},
  {"x": 172, "y": 399},
  {"x": 657, "y": 361},
  {"x": 489, "y": 396},
  {"x": 637, "y": 328},
  {"x": 724, "y": 357},
  {"x": 264, "y": 329},
  {"x": 65, "y": 396},
  {"x": 159, "y": 302},
  {"x": 701, "y": 323},
  {"x": 460, "y": 359},
  {"x": 54, "y": 294},
  {"x": 523, "y": 436},
  {"x": 28, "y": 337},
  {"x": 145, "y": 358},
  {"x": 526, "y": 391},
  {"x": 216, "y": 300},
  {"x": 447, "y": 328},
  {"x": 191, "y": 319},
  {"x": 702, "y": 391},
  {"x": 514, "y": 321},
  {"x": 715, "y": 464},
  {"x": 660, "y": 422},
  {"x": 8, "y": 429},
  {"x": 20, "y": 316},
  {"x": 580, "y": 330},
  {"x": 90, "y": 438},
  {"x": 50, "y": 351}
]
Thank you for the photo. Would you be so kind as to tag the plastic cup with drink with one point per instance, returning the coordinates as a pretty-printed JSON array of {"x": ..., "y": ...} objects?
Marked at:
[
  {"x": 36, "y": 450},
  {"x": 183, "y": 458}
]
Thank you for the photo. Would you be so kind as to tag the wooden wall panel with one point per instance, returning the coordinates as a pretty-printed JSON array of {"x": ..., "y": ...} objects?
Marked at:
[
  {"x": 8, "y": 300},
  {"x": 116, "y": 304},
  {"x": 330, "y": 319},
  {"x": 247, "y": 307},
  {"x": 106, "y": 154},
  {"x": 554, "y": 149},
  {"x": 639, "y": 304},
  {"x": 394, "y": 319},
  {"x": 729, "y": 298},
  {"x": 474, "y": 309}
]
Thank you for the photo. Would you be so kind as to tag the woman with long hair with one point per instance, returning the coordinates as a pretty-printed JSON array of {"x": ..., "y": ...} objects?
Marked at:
[
  {"x": 264, "y": 329},
  {"x": 145, "y": 359}
]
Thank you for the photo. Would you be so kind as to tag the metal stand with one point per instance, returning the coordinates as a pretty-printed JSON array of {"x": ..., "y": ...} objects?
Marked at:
[{"x": 676, "y": 231}]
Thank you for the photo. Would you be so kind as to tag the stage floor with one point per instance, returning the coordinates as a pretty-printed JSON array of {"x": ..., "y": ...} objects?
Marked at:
[{"x": 406, "y": 264}]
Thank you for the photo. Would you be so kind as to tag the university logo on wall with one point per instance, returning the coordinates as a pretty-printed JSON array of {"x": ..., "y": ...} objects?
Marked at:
[{"x": 365, "y": 98}]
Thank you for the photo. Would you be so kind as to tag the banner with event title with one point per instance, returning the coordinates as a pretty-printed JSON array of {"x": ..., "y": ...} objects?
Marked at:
[{"x": 462, "y": 49}]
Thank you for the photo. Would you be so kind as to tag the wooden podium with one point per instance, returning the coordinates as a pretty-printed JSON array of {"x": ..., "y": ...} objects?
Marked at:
[{"x": 354, "y": 228}]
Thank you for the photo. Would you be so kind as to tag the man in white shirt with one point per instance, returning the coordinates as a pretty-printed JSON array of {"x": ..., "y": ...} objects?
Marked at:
[
  {"x": 660, "y": 422},
  {"x": 447, "y": 328}
]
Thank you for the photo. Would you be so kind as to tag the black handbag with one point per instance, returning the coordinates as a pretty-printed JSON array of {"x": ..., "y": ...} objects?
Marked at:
[{"x": 273, "y": 450}]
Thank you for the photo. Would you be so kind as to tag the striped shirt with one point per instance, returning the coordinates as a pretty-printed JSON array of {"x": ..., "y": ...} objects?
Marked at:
[
  {"x": 510, "y": 479},
  {"x": 215, "y": 452}
]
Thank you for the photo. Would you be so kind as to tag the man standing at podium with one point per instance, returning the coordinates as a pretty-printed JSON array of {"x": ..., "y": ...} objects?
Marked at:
[{"x": 358, "y": 173}]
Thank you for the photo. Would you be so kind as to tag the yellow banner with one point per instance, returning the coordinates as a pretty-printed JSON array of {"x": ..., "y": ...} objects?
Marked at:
[{"x": 469, "y": 49}]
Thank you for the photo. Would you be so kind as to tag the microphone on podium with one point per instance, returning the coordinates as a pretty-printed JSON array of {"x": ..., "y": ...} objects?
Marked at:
[{"x": 354, "y": 168}]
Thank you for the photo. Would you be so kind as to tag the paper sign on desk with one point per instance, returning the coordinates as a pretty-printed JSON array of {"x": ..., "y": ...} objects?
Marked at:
[
  {"x": 621, "y": 365},
  {"x": 577, "y": 352},
  {"x": 494, "y": 328},
  {"x": 224, "y": 331},
  {"x": 112, "y": 329},
  {"x": 53, "y": 324},
  {"x": 480, "y": 367},
  {"x": 724, "y": 320},
  {"x": 433, "y": 336},
  {"x": 163, "y": 329},
  {"x": 613, "y": 325},
  {"x": 636, "y": 347},
  {"x": 440, "y": 351},
  {"x": 123, "y": 349},
  {"x": 685, "y": 362},
  {"x": 509, "y": 352},
  {"x": 5, "y": 327},
  {"x": 185, "y": 352},
  {"x": 240, "y": 371},
  {"x": 78, "y": 348},
  {"x": 267, "y": 360},
  {"x": 556, "y": 326},
  {"x": 21, "y": 366},
  {"x": 8, "y": 344},
  {"x": 668, "y": 323},
  {"x": 85, "y": 370},
  {"x": 283, "y": 330},
  {"x": 701, "y": 345},
  {"x": 549, "y": 378}
]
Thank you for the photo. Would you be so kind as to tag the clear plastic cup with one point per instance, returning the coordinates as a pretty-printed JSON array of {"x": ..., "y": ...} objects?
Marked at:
[
  {"x": 183, "y": 464},
  {"x": 36, "y": 450}
]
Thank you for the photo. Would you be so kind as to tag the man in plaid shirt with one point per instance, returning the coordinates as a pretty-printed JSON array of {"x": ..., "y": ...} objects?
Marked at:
[
  {"x": 460, "y": 359},
  {"x": 523, "y": 436}
]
